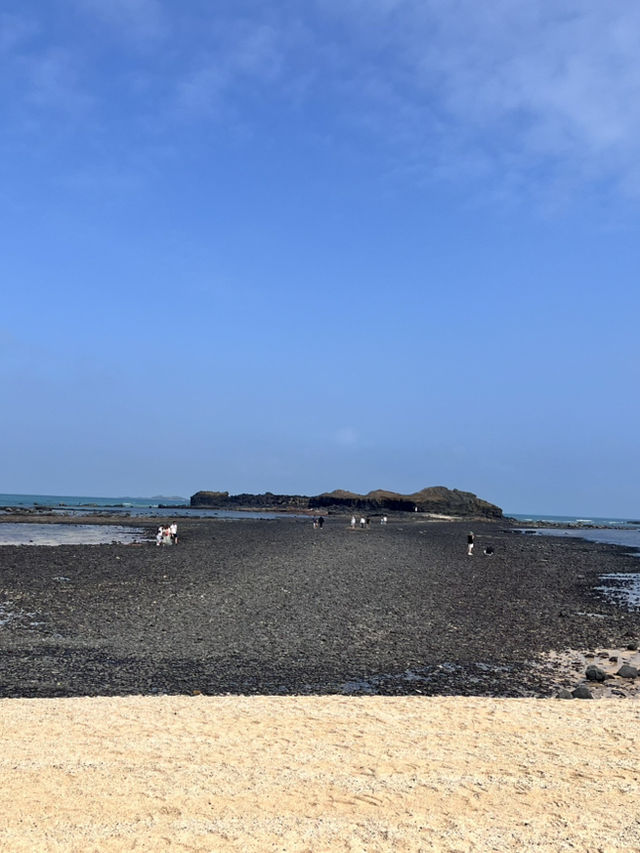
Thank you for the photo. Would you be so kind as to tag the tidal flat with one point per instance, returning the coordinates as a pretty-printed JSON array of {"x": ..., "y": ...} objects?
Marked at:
[{"x": 278, "y": 607}]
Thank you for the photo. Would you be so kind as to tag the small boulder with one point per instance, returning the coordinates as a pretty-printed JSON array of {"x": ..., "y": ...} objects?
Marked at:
[
  {"x": 632, "y": 647},
  {"x": 614, "y": 658},
  {"x": 627, "y": 671},
  {"x": 563, "y": 693},
  {"x": 582, "y": 692},
  {"x": 594, "y": 673}
]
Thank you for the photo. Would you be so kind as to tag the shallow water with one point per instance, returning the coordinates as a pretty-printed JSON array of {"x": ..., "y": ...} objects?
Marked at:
[
  {"x": 629, "y": 538},
  {"x": 622, "y": 588},
  {"x": 69, "y": 534}
]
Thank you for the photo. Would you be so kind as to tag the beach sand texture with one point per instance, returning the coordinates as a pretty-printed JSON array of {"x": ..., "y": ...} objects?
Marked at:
[{"x": 319, "y": 774}]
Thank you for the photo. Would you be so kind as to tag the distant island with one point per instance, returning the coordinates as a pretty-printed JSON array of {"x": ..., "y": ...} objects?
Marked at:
[{"x": 437, "y": 500}]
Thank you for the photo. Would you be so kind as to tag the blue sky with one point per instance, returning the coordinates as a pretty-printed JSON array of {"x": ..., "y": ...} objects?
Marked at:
[{"x": 304, "y": 246}]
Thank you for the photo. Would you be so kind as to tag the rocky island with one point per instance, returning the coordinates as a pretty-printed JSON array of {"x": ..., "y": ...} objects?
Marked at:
[{"x": 435, "y": 500}]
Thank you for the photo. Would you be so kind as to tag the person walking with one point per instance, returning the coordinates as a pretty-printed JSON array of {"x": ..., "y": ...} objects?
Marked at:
[{"x": 470, "y": 543}]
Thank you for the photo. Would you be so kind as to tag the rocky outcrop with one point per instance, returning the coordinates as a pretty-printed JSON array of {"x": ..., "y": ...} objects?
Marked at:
[
  {"x": 436, "y": 499},
  {"x": 267, "y": 500}
]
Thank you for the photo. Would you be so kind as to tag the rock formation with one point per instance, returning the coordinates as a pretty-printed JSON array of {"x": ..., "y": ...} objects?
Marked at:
[{"x": 436, "y": 499}]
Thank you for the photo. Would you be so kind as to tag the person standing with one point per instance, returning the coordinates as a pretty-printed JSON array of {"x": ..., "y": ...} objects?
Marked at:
[{"x": 470, "y": 543}]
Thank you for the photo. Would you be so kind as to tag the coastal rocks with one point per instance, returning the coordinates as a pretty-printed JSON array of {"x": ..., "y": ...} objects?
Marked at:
[
  {"x": 223, "y": 500},
  {"x": 627, "y": 671},
  {"x": 563, "y": 693},
  {"x": 594, "y": 673},
  {"x": 582, "y": 692},
  {"x": 256, "y": 606},
  {"x": 610, "y": 679},
  {"x": 432, "y": 500},
  {"x": 435, "y": 500}
]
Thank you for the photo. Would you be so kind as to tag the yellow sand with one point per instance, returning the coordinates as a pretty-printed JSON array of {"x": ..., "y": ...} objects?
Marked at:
[{"x": 319, "y": 774}]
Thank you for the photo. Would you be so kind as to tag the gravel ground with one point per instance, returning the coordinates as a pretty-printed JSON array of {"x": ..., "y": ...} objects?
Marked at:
[{"x": 277, "y": 607}]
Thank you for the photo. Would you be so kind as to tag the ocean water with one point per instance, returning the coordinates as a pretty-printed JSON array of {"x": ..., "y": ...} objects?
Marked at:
[
  {"x": 129, "y": 507},
  {"x": 69, "y": 534},
  {"x": 628, "y": 537},
  {"x": 622, "y": 588},
  {"x": 606, "y": 521},
  {"x": 78, "y": 502}
]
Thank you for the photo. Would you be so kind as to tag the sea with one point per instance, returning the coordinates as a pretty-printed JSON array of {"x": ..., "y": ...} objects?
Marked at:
[
  {"x": 608, "y": 530},
  {"x": 88, "y": 534},
  {"x": 158, "y": 507},
  {"x": 622, "y": 588}
]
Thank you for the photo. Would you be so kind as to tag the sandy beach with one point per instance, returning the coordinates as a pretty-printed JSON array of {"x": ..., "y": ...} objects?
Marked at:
[{"x": 319, "y": 774}]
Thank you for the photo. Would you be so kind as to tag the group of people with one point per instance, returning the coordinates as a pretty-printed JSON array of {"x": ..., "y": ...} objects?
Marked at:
[
  {"x": 365, "y": 521},
  {"x": 167, "y": 535}
]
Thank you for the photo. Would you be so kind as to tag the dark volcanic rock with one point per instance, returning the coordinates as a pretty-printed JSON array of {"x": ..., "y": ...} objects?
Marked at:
[
  {"x": 627, "y": 671},
  {"x": 262, "y": 606},
  {"x": 594, "y": 673},
  {"x": 582, "y": 692},
  {"x": 563, "y": 693},
  {"x": 436, "y": 499},
  {"x": 223, "y": 500}
]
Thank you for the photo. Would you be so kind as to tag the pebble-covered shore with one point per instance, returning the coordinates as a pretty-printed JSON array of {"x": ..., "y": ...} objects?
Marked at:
[{"x": 278, "y": 607}]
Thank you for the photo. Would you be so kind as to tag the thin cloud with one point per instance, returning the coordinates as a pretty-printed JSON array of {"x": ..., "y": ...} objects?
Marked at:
[
  {"x": 513, "y": 95},
  {"x": 53, "y": 82},
  {"x": 509, "y": 86},
  {"x": 137, "y": 20},
  {"x": 246, "y": 54},
  {"x": 15, "y": 30}
]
